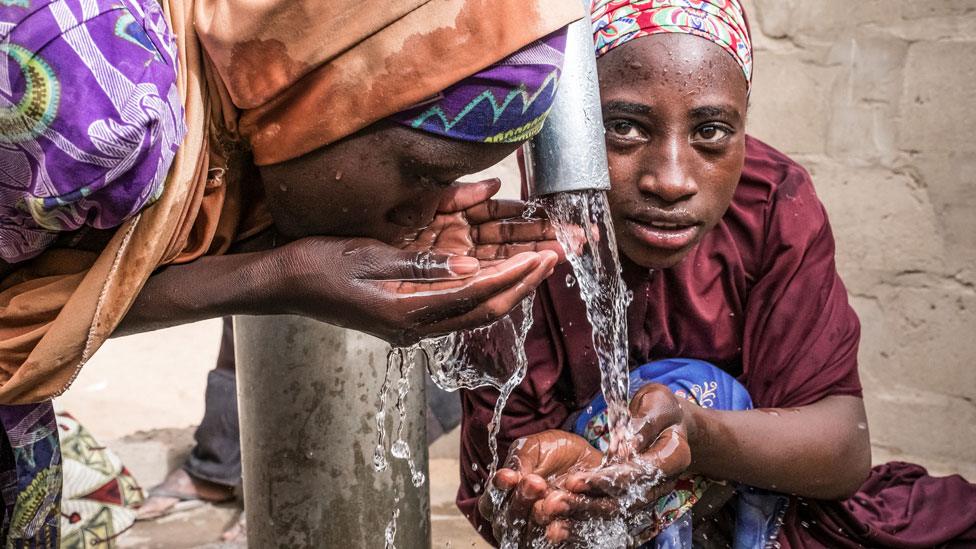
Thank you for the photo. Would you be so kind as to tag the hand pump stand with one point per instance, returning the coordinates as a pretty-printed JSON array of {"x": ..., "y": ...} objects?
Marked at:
[{"x": 308, "y": 391}]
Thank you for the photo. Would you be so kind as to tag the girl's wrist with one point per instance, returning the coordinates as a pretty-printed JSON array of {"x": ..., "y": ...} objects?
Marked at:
[
  {"x": 277, "y": 277},
  {"x": 698, "y": 424}
]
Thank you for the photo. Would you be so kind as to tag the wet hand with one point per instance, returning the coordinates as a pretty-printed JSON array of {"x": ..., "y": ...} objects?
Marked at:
[
  {"x": 468, "y": 222},
  {"x": 398, "y": 295},
  {"x": 636, "y": 477},
  {"x": 524, "y": 481}
]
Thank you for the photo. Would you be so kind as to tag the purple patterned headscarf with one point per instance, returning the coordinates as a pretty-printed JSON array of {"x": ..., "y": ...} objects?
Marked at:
[
  {"x": 90, "y": 116},
  {"x": 505, "y": 103}
]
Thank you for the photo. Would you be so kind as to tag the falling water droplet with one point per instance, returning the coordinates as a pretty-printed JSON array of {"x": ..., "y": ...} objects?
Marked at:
[
  {"x": 391, "y": 527},
  {"x": 400, "y": 449},
  {"x": 418, "y": 479},
  {"x": 379, "y": 460}
]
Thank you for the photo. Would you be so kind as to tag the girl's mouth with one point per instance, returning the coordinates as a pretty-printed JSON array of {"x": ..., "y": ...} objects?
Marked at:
[{"x": 666, "y": 235}]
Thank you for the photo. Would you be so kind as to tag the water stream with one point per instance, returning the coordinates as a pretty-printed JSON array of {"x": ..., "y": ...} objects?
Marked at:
[
  {"x": 583, "y": 228},
  {"x": 494, "y": 356},
  {"x": 490, "y": 356},
  {"x": 582, "y": 223},
  {"x": 593, "y": 255}
]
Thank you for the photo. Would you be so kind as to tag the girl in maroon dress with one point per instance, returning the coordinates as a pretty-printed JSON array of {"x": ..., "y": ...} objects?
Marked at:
[{"x": 730, "y": 257}]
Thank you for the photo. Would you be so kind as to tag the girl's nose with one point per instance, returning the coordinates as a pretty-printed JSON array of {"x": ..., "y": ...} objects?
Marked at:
[{"x": 667, "y": 176}]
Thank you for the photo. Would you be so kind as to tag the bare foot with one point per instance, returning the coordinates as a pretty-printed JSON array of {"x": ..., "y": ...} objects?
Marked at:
[
  {"x": 180, "y": 492},
  {"x": 236, "y": 533}
]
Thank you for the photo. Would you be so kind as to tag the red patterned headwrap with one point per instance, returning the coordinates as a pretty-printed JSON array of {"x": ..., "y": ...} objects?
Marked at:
[{"x": 723, "y": 22}]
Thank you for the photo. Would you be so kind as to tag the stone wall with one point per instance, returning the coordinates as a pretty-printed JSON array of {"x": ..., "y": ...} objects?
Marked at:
[{"x": 876, "y": 99}]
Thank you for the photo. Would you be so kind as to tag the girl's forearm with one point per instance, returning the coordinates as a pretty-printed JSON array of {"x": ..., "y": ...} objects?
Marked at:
[
  {"x": 209, "y": 287},
  {"x": 819, "y": 451}
]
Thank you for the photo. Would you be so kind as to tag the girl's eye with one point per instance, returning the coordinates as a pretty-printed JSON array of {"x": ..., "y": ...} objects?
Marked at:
[
  {"x": 711, "y": 133},
  {"x": 622, "y": 129}
]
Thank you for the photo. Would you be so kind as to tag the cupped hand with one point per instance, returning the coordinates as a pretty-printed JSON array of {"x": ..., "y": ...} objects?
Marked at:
[
  {"x": 399, "y": 295},
  {"x": 631, "y": 484},
  {"x": 524, "y": 481},
  {"x": 469, "y": 222},
  {"x": 470, "y": 266}
]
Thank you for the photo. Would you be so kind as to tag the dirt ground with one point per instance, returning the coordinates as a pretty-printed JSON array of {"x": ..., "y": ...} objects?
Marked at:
[{"x": 142, "y": 396}]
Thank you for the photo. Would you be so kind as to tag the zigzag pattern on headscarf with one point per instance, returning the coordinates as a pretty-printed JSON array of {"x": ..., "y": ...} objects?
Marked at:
[
  {"x": 471, "y": 110},
  {"x": 496, "y": 111}
]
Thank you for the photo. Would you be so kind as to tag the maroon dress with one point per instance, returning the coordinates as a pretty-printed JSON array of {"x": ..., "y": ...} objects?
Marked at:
[{"x": 759, "y": 297}]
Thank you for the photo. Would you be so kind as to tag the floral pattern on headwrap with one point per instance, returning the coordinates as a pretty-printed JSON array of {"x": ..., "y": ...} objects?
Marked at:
[
  {"x": 723, "y": 22},
  {"x": 505, "y": 103},
  {"x": 90, "y": 117}
]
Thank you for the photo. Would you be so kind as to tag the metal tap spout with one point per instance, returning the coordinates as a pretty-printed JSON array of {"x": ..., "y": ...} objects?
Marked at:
[{"x": 570, "y": 154}]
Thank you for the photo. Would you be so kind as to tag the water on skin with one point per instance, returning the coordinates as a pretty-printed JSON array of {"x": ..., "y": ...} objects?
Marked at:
[
  {"x": 582, "y": 226},
  {"x": 459, "y": 360}
]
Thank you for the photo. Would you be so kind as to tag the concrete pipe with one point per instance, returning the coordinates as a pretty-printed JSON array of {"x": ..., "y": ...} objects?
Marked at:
[{"x": 308, "y": 395}]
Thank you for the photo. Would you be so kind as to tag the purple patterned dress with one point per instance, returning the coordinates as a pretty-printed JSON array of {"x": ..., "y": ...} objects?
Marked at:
[
  {"x": 90, "y": 120},
  {"x": 90, "y": 116}
]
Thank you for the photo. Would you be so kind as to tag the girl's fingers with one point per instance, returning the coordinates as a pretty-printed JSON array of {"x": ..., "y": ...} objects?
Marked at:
[
  {"x": 462, "y": 196},
  {"x": 505, "y": 479},
  {"x": 654, "y": 409},
  {"x": 615, "y": 480},
  {"x": 512, "y": 231},
  {"x": 452, "y": 302},
  {"x": 382, "y": 262},
  {"x": 498, "y": 305},
  {"x": 561, "y": 504},
  {"x": 670, "y": 452},
  {"x": 558, "y": 532},
  {"x": 530, "y": 489},
  {"x": 492, "y": 210},
  {"x": 491, "y": 252}
]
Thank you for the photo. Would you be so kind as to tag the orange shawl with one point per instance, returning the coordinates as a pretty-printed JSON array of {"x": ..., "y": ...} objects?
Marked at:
[{"x": 289, "y": 76}]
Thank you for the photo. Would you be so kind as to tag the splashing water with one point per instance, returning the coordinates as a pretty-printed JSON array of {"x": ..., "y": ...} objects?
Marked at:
[
  {"x": 391, "y": 527},
  {"x": 582, "y": 227},
  {"x": 494, "y": 356},
  {"x": 490, "y": 356},
  {"x": 401, "y": 360}
]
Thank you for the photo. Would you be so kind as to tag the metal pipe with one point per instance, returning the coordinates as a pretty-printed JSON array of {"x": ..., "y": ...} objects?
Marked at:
[
  {"x": 570, "y": 153},
  {"x": 308, "y": 396}
]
